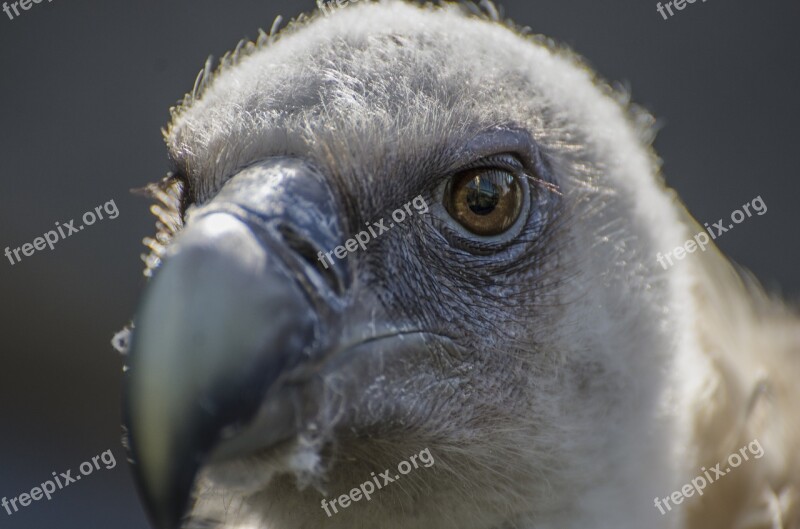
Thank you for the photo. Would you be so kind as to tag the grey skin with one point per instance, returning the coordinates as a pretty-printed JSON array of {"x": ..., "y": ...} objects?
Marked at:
[{"x": 555, "y": 371}]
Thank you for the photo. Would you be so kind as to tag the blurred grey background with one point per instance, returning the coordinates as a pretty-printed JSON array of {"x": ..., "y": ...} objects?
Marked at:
[{"x": 85, "y": 88}]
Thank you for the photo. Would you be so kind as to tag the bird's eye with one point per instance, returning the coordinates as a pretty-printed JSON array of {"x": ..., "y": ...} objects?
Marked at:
[{"x": 486, "y": 200}]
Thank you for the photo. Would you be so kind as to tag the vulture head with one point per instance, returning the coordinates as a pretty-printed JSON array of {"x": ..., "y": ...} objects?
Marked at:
[{"x": 504, "y": 315}]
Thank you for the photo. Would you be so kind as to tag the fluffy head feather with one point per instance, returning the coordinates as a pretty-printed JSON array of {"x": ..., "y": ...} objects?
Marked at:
[{"x": 572, "y": 400}]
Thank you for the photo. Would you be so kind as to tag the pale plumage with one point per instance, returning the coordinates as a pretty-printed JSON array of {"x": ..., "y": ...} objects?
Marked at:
[{"x": 562, "y": 380}]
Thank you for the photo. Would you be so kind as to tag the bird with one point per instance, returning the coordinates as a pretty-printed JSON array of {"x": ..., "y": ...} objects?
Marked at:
[{"x": 511, "y": 331}]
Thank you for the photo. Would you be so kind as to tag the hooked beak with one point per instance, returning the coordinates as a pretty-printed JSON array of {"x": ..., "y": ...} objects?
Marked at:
[{"x": 239, "y": 301}]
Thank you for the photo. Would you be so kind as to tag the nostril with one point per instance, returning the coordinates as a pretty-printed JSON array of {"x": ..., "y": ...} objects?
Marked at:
[{"x": 308, "y": 252}]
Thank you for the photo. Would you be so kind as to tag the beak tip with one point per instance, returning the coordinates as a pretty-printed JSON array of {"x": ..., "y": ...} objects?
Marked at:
[{"x": 168, "y": 510}]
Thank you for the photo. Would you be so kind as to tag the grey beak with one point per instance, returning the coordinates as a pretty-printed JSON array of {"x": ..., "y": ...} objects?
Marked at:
[{"x": 235, "y": 305}]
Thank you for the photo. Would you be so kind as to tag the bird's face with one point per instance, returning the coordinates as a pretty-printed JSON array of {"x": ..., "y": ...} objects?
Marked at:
[{"x": 267, "y": 372}]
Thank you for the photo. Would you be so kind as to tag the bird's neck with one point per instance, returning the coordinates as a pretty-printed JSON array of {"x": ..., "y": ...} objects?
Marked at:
[{"x": 749, "y": 348}]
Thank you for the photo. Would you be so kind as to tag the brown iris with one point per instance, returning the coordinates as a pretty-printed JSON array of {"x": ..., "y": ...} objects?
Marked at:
[{"x": 486, "y": 201}]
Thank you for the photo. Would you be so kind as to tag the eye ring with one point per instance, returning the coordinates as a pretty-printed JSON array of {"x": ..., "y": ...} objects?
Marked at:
[{"x": 485, "y": 201}]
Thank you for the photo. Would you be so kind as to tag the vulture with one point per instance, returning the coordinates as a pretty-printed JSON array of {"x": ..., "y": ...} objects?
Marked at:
[{"x": 511, "y": 327}]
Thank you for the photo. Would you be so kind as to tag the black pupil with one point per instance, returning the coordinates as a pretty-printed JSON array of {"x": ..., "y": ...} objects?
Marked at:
[{"x": 484, "y": 193}]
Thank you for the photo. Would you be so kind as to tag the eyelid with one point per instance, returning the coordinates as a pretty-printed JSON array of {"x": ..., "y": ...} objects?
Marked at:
[{"x": 507, "y": 161}]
